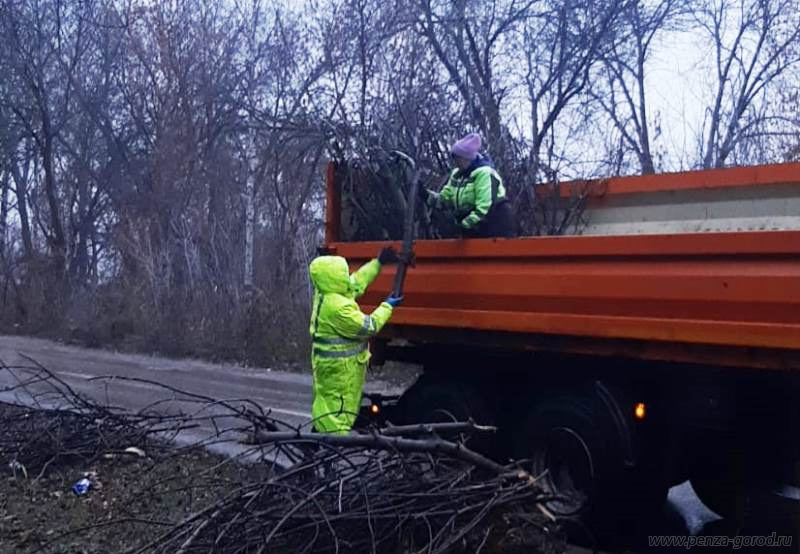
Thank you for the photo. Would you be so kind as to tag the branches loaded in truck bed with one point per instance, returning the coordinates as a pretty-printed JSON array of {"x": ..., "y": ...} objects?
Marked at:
[{"x": 373, "y": 196}]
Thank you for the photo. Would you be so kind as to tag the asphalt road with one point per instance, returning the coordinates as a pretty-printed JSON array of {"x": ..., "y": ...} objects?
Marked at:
[
  {"x": 287, "y": 394},
  {"x": 91, "y": 372}
]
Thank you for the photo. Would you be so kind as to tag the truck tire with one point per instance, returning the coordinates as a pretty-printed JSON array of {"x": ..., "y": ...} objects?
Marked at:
[
  {"x": 571, "y": 443},
  {"x": 563, "y": 443},
  {"x": 432, "y": 400}
]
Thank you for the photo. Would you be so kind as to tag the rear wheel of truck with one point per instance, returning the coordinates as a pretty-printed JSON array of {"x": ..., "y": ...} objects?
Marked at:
[
  {"x": 432, "y": 400},
  {"x": 571, "y": 445},
  {"x": 562, "y": 442}
]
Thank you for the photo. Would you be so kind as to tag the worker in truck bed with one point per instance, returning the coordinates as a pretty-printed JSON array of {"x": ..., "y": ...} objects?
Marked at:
[
  {"x": 340, "y": 333},
  {"x": 475, "y": 193}
]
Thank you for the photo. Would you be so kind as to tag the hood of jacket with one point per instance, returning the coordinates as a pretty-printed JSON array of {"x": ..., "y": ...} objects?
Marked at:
[
  {"x": 331, "y": 274},
  {"x": 481, "y": 160}
]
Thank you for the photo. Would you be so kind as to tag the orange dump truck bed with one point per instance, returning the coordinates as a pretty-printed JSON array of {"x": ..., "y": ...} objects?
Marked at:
[{"x": 724, "y": 297}]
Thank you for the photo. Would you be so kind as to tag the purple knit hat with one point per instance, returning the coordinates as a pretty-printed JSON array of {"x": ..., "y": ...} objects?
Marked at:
[{"x": 467, "y": 147}]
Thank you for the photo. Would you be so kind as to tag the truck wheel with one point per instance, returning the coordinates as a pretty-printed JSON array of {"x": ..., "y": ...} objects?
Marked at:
[
  {"x": 571, "y": 444},
  {"x": 562, "y": 441},
  {"x": 431, "y": 400}
]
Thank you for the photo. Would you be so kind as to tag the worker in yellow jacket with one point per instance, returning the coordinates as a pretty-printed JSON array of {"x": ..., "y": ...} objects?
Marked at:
[{"x": 340, "y": 333}]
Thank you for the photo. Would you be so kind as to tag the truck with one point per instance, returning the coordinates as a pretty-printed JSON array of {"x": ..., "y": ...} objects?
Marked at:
[{"x": 660, "y": 345}]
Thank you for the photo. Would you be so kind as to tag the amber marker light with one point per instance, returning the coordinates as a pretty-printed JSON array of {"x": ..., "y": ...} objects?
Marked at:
[
  {"x": 374, "y": 409},
  {"x": 640, "y": 411}
]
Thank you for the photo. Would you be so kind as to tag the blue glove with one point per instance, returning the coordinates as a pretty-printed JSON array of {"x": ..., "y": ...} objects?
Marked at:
[{"x": 394, "y": 301}]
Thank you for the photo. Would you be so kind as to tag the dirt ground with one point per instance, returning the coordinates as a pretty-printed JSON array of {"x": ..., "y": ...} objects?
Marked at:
[
  {"x": 133, "y": 505},
  {"x": 130, "y": 503}
]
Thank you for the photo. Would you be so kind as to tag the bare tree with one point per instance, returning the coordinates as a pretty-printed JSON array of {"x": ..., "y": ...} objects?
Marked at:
[
  {"x": 625, "y": 63},
  {"x": 46, "y": 43},
  {"x": 20, "y": 155},
  {"x": 467, "y": 38},
  {"x": 5, "y": 177},
  {"x": 753, "y": 42},
  {"x": 561, "y": 51},
  {"x": 790, "y": 101}
]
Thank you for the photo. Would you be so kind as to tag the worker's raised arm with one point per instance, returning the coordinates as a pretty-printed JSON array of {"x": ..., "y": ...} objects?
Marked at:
[
  {"x": 350, "y": 322},
  {"x": 366, "y": 274},
  {"x": 483, "y": 198}
]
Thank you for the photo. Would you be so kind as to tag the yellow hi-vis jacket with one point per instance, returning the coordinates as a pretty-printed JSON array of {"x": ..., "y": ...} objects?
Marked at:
[
  {"x": 340, "y": 333},
  {"x": 471, "y": 193}
]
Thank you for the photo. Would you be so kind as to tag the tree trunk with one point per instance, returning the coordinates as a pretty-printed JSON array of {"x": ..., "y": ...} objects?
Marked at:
[
  {"x": 4, "y": 185},
  {"x": 646, "y": 156},
  {"x": 79, "y": 260},
  {"x": 21, "y": 189},
  {"x": 58, "y": 240},
  {"x": 249, "y": 218}
]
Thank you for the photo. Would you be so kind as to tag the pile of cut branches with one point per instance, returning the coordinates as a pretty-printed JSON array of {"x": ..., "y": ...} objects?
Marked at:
[
  {"x": 375, "y": 190},
  {"x": 51, "y": 425},
  {"x": 398, "y": 489},
  {"x": 386, "y": 491}
]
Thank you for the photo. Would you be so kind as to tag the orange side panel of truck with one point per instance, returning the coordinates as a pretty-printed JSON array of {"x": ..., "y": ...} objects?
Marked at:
[{"x": 728, "y": 298}]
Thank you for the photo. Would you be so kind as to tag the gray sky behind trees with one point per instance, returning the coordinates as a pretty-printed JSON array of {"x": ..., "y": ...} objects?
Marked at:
[
  {"x": 682, "y": 81},
  {"x": 136, "y": 136}
]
